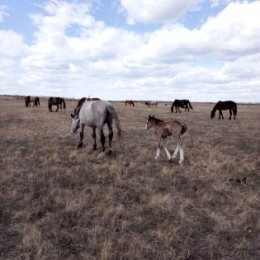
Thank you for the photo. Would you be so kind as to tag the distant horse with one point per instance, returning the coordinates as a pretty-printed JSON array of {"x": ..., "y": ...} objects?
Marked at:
[
  {"x": 183, "y": 103},
  {"x": 82, "y": 100},
  {"x": 95, "y": 114},
  {"x": 35, "y": 101},
  {"x": 27, "y": 101},
  {"x": 130, "y": 103},
  {"x": 151, "y": 103},
  {"x": 163, "y": 129},
  {"x": 56, "y": 101},
  {"x": 224, "y": 105}
]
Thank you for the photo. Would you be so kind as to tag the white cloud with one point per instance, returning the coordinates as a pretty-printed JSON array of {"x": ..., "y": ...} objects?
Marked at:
[
  {"x": 156, "y": 11},
  {"x": 75, "y": 55},
  {"x": 3, "y": 12}
]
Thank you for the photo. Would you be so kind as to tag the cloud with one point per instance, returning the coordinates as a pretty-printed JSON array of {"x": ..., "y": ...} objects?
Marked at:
[
  {"x": 73, "y": 54},
  {"x": 156, "y": 11},
  {"x": 3, "y": 12}
]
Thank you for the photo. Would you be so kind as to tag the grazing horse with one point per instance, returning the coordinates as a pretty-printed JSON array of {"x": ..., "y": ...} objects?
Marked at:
[
  {"x": 56, "y": 101},
  {"x": 130, "y": 103},
  {"x": 163, "y": 129},
  {"x": 27, "y": 101},
  {"x": 36, "y": 101},
  {"x": 183, "y": 103},
  {"x": 95, "y": 114},
  {"x": 224, "y": 105},
  {"x": 82, "y": 100},
  {"x": 151, "y": 103}
]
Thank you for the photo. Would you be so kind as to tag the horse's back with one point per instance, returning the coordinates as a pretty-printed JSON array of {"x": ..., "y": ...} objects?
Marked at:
[{"x": 93, "y": 113}]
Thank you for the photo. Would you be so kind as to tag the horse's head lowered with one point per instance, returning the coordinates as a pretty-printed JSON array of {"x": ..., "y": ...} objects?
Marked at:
[{"x": 75, "y": 123}]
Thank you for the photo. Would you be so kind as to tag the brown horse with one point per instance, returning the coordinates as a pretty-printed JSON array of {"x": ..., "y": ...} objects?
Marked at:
[
  {"x": 183, "y": 103},
  {"x": 56, "y": 101},
  {"x": 163, "y": 129},
  {"x": 130, "y": 103},
  {"x": 28, "y": 100},
  {"x": 224, "y": 105},
  {"x": 35, "y": 101},
  {"x": 82, "y": 100}
]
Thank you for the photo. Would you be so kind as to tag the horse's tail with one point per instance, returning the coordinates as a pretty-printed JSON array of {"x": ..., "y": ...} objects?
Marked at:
[
  {"x": 184, "y": 128},
  {"x": 172, "y": 107},
  {"x": 190, "y": 106},
  {"x": 112, "y": 111},
  {"x": 235, "y": 109}
]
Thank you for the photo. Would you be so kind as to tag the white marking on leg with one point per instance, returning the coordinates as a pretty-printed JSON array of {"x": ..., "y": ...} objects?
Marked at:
[
  {"x": 175, "y": 152},
  {"x": 157, "y": 153},
  {"x": 166, "y": 150},
  {"x": 181, "y": 156}
]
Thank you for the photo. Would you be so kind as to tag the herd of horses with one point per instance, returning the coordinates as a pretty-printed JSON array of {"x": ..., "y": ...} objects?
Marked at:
[{"x": 95, "y": 113}]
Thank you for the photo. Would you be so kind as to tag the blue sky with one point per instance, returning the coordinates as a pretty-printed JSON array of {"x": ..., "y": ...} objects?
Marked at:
[{"x": 131, "y": 49}]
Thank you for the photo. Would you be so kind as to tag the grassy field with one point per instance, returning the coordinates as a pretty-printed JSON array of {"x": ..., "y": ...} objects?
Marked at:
[{"x": 60, "y": 202}]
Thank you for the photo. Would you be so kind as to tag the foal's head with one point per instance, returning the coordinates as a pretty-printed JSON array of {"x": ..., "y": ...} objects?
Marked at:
[{"x": 152, "y": 121}]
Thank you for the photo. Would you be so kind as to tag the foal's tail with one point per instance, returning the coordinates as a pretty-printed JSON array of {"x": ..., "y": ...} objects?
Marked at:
[
  {"x": 112, "y": 111},
  {"x": 184, "y": 128}
]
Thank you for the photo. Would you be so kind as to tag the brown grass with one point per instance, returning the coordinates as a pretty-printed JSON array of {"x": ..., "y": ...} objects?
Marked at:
[{"x": 58, "y": 202}]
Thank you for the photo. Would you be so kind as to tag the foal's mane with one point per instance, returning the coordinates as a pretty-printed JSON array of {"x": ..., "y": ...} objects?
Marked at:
[{"x": 155, "y": 119}]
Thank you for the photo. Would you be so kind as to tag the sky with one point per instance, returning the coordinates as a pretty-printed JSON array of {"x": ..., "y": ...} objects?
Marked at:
[{"x": 161, "y": 50}]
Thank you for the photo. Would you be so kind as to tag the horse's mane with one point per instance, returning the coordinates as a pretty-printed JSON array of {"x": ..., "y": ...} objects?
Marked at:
[{"x": 155, "y": 119}]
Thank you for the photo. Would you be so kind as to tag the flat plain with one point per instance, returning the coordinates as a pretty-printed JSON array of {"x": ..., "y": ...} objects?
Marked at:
[{"x": 60, "y": 202}]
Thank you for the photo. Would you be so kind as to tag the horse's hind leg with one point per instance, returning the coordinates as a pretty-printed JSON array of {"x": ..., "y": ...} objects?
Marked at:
[
  {"x": 57, "y": 108},
  {"x": 110, "y": 135},
  {"x": 102, "y": 138},
  {"x": 165, "y": 149},
  {"x": 230, "y": 113},
  {"x": 158, "y": 149},
  {"x": 94, "y": 138},
  {"x": 81, "y": 135}
]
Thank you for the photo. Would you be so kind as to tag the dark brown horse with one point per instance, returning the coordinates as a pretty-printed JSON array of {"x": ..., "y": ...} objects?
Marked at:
[
  {"x": 130, "y": 103},
  {"x": 56, "y": 101},
  {"x": 224, "y": 105},
  {"x": 183, "y": 103},
  {"x": 27, "y": 101},
  {"x": 82, "y": 100},
  {"x": 35, "y": 100}
]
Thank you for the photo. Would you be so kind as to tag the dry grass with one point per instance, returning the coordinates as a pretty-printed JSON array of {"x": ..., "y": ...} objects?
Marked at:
[{"x": 57, "y": 202}]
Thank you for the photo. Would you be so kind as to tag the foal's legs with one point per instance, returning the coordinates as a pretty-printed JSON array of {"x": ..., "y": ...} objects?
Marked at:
[
  {"x": 81, "y": 135},
  {"x": 165, "y": 149},
  {"x": 179, "y": 149},
  {"x": 158, "y": 149}
]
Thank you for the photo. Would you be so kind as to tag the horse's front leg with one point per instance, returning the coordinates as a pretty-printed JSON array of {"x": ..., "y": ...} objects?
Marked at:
[
  {"x": 102, "y": 138},
  {"x": 57, "y": 108},
  {"x": 158, "y": 149},
  {"x": 81, "y": 136},
  {"x": 94, "y": 138}
]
